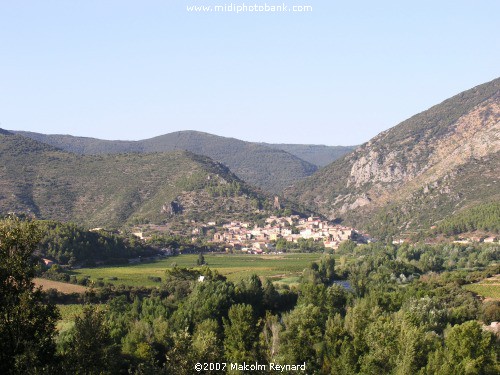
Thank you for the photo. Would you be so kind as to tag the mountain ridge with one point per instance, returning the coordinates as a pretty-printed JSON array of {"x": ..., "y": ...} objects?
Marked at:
[
  {"x": 114, "y": 190},
  {"x": 406, "y": 170},
  {"x": 270, "y": 167}
]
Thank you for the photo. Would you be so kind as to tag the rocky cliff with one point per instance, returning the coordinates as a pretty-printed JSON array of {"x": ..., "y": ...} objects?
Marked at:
[{"x": 418, "y": 172}]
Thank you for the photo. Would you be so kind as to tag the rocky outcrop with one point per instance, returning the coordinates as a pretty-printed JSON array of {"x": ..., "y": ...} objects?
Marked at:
[{"x": 172, "y": 208}]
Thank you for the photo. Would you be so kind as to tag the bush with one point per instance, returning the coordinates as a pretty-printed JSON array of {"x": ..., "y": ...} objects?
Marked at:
[{"x": 490, "y": 312}]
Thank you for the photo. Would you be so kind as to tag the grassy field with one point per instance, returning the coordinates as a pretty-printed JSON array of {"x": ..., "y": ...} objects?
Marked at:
[
  {"x": 489, "y": 288},
  {"x": 286, "y": 267}
]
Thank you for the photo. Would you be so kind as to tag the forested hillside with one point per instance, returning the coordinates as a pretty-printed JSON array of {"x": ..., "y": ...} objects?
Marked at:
[
  {"x": 67, "y": 243},
  {"x": 112, "y": 190},
  {"x": 484, "y": 217},
  {"x": 269, "y": 168}
]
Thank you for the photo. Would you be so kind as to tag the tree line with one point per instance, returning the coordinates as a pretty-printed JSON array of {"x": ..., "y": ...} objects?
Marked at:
[
  {"x": 68, "y": 243},
  {"x": 483, "y": 217}
]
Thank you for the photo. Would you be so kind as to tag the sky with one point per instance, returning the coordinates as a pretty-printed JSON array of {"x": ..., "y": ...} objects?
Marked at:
[{"x": 336, "y": 75}]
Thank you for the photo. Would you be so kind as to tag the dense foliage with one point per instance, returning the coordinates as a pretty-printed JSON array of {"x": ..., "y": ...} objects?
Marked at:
[
  {"x": 392, "y": 310},
  {"x": 27, "y": 323},
  {"x": 70, "y": 244},
  {"x": 484, "y": 217}
]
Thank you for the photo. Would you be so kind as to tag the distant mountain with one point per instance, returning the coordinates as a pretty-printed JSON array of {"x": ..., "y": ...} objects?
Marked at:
[
  {"x": 318, "y": 155},
  {"x": 269, "y": 168},
  {"x": 113, "y": 190},
  {"x": 411, "y": 176}
]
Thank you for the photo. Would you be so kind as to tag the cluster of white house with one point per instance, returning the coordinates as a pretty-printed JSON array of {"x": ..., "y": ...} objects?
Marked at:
[{"x": 243, "y": 236}]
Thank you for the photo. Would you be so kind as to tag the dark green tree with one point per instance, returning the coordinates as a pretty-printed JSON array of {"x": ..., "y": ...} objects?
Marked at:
[
  {"x": 334, "y": 336},
  {"x": 327, "y": 268},
  {"x": 201, "y": 260},
  {"x": 241, "y": 332},
  {"x": 301, "y": 339},
  {"x": 90, "y": 350},
  {"x": 490, "y": 312},
  {"x": 467, "y": 350},
  {"x": 27, "y": 322},
  {"x": 270, "y": 296},
  {"x": 249, "y": 291}
]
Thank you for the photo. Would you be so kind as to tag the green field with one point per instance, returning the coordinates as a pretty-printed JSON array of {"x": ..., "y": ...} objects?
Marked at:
[
  {"x": 234, "y": 267},
  {"x": 489, "y": 288},
  {"x": 485, "y": 290}
]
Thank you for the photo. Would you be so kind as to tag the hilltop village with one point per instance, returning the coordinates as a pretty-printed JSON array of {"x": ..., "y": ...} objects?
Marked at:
[
  {"x": 265, "y": 236},
  {"x": 258, "y": 239}
]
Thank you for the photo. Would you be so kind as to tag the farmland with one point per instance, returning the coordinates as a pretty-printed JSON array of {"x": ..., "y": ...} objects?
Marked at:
[
  {"x": 282, "y": 267},
  {"x": 489, "y": 288},
  {"x": 59, "y": 286}
]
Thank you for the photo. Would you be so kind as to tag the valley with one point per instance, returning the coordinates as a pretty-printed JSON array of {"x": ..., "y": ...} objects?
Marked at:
[{"x": 155, "y": 255}]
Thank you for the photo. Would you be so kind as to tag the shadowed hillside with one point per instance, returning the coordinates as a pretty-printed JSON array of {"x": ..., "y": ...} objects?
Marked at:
[
  {"x": 111, "y": 190},
  {"x": 269, "y": 168},
  {"x": 318, "y": 155}
]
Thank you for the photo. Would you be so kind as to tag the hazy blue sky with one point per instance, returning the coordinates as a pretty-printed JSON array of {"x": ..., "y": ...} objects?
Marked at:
[{"x": 337, "y": 75}]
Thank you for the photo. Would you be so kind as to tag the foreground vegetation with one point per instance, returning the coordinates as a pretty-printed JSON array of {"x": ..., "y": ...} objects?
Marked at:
[{"x": 405, "y": 311}]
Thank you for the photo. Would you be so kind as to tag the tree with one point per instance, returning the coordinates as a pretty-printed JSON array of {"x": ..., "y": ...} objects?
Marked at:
[
  {"x": 249, "y": 290},
  {"x": 207, "y": 344},
  {"x": 241, "y": 335},
  {"x": 270, "y": 337},
  {"x": 334, "y": 336},
  {"x": 208, "y": 300},
  {"x": 180, "y": 359},
  {"x": 327, "y": 268},
  {"x": 270, "y": 296},
  {"x": 201, "y": 260},
  {"x": 90, "y": 350},
  {"x": 490, "y": 312},
  {"x": 27, "y": 322},
  {"x": 346, "y": 247},
  {"x": 382, "y": 346},
  {"x": 301, "y": 339},
  {"x": 467, "y": 350}
]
